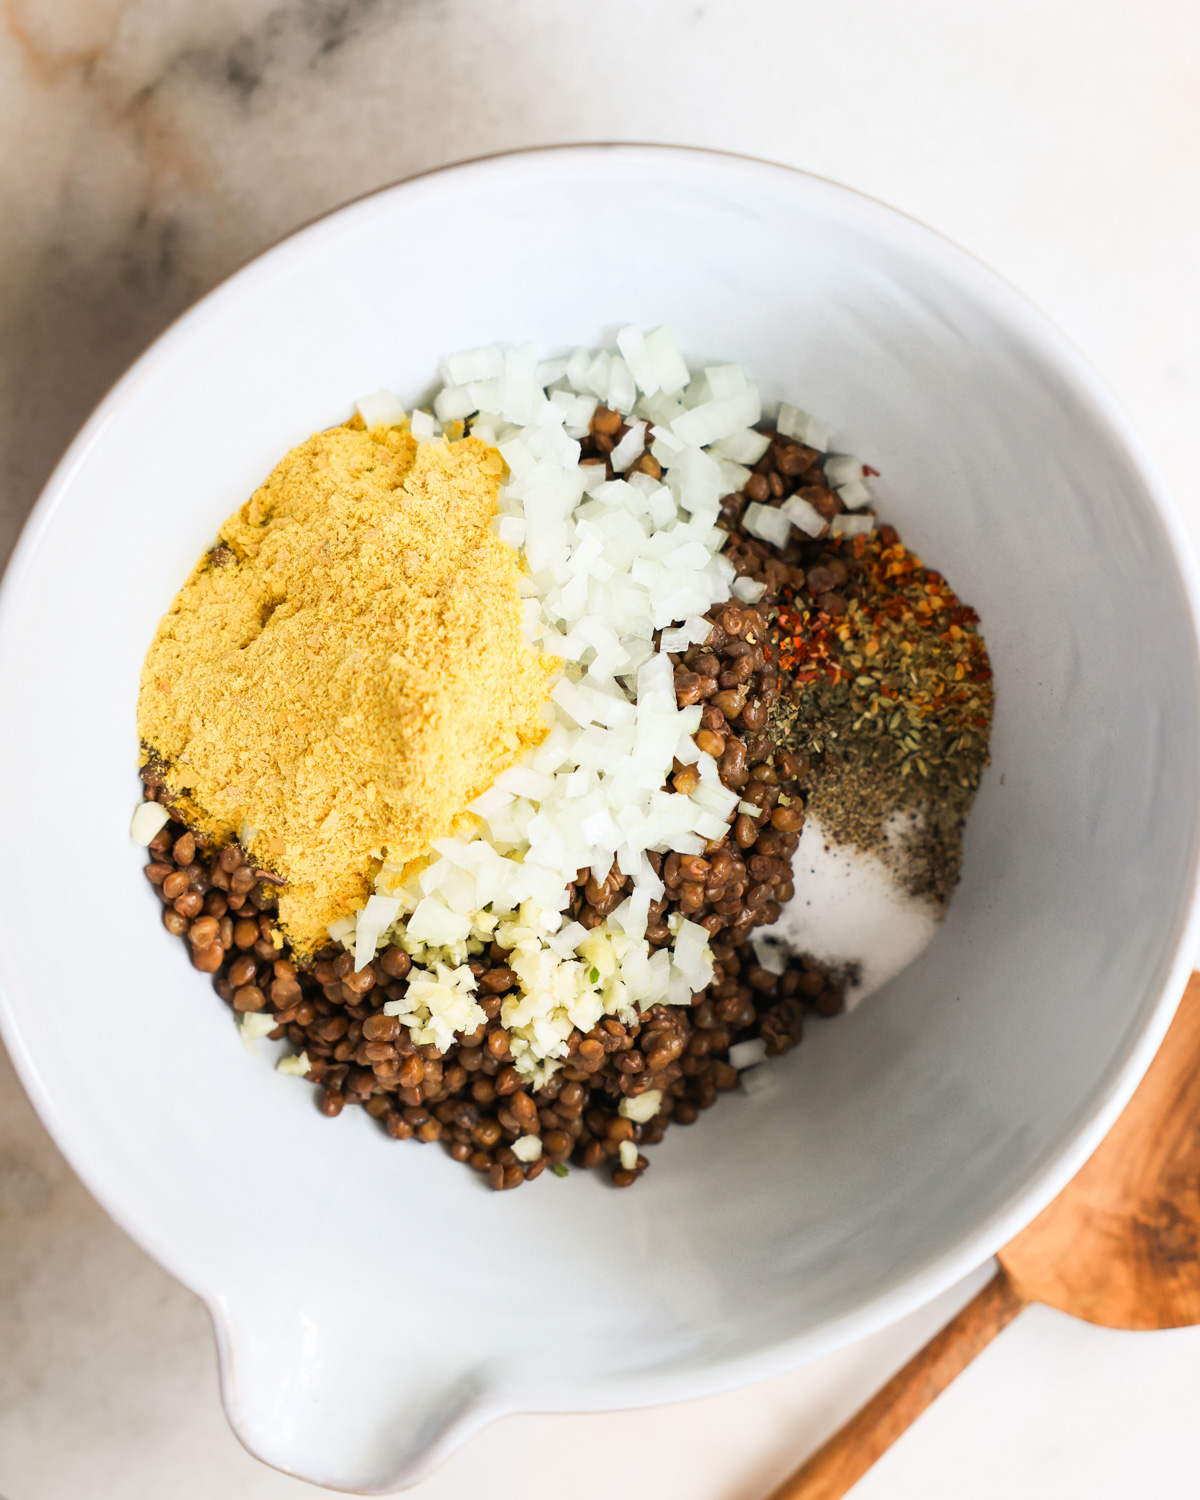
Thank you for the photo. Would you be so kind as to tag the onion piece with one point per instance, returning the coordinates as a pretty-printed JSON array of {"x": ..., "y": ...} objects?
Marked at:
[
  {"x": 452, "y": 403},
  {"x": 841, "y": 468},
  {"x": 745, "y": 447},
  {"x": 433, "y": 922},
  {"x": 768, "y": 524},
  {"x": 794, "y": 423},
  {"x": 748, "y": 1054},
  {"x": 857, "y": 492},
  {"x": 632, "y": 344},
  {"x": 631, "y": 446},
  {"x": 622, "y": 390},
  {"x": 667, "y": 361},
  {"x": 381, "y": 409},
  {"x": 803, "y": 516},
  {"x": 692, "y": 955},
  {"x": 862, "y": 524},
  {"x": 149, "y": 819},
  {"x": 475, "y": 364},
  {"x": 771, "y": 956},
  {"x": 725, "y": 381},
  {"x": 519, "y": 396}
]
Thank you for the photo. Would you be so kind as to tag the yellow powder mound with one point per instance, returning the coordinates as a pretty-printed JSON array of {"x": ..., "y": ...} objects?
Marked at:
[{"x": 355, "y": 673}]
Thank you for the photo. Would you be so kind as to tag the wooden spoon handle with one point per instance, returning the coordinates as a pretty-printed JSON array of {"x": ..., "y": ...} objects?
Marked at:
[{"x": 841, "y": 1462}]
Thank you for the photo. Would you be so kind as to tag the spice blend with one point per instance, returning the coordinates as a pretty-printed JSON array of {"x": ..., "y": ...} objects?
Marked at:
[{"x": 891, "y": 702}]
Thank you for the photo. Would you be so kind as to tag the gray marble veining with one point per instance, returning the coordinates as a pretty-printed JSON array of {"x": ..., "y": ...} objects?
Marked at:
[{"x": 150, "y": 148}]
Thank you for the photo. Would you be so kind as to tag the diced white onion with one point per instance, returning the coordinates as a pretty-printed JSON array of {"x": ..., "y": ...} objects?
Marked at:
[
  {"x": 862, "y": 524},
  {"x": 748, "y": 1054},
  {"x": 627, "y": 1154},
  {"x": 767, "y": 524},
  {"x": 149, "y": 819},
  {"x": 578, "y": 364},
  {"x": 632, "y": 344},
  {"x": 433, "y": 922},
  {"x": 519, "y": 392},
  {"x": 692, "y": 956},
  {"x": 622, "y": 390},
  {"x": 725, "y": 381},
  {"x": 841, "y": 468},
  {"x": 370, "y": 924},
  {"x": 380, "y": 911},
  {"x": 745, "y": 447},
  {"x": 549, "y": 371},
  {"x": 697, "y": 629},
  {"x": 475, "y": 364},
  {"x": 734, "y": 477},
  {"x": 294, "y": 1067},
  {"x": 630, "y": 447},
  {"x": 667, "y": 361},
  {"x": 803, "y": 516},
  {"x": 510, "y": 529},
  {"x": 452, "y": 403},
  {"x": 748, "y": 590},
  {"x": 381, "y": 408},
  {"x": 490, "y": 801},
  {"x": 527, "y": 1148},
  {"x": 794, "y": 423},
  {"x": 770, "y": 955},
  {"x": 524, "y": 781},
  {"x": 855, "y": 493}
]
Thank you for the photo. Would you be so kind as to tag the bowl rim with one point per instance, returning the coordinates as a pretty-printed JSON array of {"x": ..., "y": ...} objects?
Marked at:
[{"x": 953, "y": 1263}]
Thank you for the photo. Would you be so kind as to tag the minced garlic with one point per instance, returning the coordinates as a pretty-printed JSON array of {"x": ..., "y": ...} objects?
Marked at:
[
  {"x": 348, "y": 670},
  {"x": 568, "y": 979}
]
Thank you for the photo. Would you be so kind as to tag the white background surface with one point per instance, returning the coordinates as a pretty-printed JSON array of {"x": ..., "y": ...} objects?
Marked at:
[{"x": 147, "y": 148}]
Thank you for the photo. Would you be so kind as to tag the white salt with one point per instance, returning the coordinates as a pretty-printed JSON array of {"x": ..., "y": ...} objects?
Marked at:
[{"x": 850, "y": 908}]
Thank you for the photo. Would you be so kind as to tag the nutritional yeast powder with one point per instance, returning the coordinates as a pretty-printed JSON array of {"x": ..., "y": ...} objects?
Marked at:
[{"x": 346, "y": 671}]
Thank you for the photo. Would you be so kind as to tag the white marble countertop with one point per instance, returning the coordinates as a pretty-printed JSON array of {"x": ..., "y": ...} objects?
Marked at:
[{"x": 149, "y": 146}]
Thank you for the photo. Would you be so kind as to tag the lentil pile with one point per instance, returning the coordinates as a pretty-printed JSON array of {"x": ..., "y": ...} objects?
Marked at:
[
  {"x": 836, "y": 657},
  {"x": 470, "y": 1097}
]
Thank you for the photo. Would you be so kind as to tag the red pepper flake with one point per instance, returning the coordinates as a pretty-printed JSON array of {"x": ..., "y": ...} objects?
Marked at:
[{"x": 920, "y": 658}]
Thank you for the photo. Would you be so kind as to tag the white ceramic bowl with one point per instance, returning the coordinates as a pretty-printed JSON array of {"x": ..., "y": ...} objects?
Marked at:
[{"x": 373, "y": 1303}]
